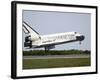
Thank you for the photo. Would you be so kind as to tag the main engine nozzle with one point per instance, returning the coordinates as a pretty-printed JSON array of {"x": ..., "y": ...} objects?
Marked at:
[
  {"x": 27, "y": 38},
  {"x": 28, "y": 42}
]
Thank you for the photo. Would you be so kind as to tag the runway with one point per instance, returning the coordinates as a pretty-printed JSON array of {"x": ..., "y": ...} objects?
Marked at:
[{"x": 57, "y": 56}]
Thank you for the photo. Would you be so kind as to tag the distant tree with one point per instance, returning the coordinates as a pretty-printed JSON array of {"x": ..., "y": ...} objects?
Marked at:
[{"x": 87, "y": 51}]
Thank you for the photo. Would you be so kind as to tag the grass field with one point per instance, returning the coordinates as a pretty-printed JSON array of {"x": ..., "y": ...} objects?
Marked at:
[{"x": 54, "y": 63}]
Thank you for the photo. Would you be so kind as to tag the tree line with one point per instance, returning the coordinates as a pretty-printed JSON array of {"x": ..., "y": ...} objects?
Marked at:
[{"x": 55, "y": 52}]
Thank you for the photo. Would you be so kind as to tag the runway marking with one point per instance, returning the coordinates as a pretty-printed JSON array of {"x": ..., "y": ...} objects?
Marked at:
[{"x": 56, "y": 56}]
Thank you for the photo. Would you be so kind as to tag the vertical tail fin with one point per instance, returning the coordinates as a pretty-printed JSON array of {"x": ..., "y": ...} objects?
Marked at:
[{"x": 29, "y": 30}]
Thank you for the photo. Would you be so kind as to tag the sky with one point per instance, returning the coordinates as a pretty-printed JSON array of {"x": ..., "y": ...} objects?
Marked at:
[{"x": 50, "y": 22}]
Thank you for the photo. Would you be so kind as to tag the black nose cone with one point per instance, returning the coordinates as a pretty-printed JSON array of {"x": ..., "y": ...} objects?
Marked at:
[{"x": 80, "y": 38}]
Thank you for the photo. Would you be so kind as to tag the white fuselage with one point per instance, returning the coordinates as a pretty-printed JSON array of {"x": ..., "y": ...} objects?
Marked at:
[{"x": 55, "y": 39}]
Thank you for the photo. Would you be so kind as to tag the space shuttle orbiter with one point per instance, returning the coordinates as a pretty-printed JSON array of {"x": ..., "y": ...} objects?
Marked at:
[{"x": 35, "y": 40}]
